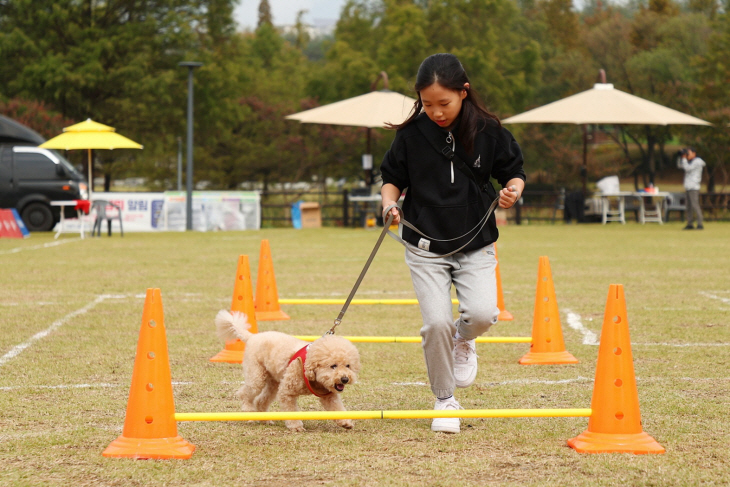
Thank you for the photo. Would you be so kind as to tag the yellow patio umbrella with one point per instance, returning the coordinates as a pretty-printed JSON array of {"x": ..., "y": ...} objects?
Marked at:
[{"x": 90, "y": 135}]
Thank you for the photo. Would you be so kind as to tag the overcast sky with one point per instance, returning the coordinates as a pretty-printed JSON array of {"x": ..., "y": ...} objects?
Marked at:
[{"x": 285, "y": 11}]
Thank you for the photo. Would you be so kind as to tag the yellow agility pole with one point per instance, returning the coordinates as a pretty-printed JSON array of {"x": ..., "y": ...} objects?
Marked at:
[
  {"x": 374, "y": 339},
  {"x": 405, "y": 414},
  {"x": 354, "y": 301}
]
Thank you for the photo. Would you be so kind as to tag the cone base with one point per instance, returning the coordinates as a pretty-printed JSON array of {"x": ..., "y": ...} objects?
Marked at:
[
  {"x": 149, "y": 448},
  {"x": 271, "y": 315},
  {"x": 637, "y": 443},
  {"x": 533, "y": 358},
  {"x": 229, "y": 356},
  {"x": 505, "y": 315}
]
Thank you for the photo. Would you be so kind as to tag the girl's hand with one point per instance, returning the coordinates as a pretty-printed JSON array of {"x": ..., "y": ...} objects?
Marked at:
[
  {"x": 393, "y": 211},
  {"x": 508, "y": 197}
]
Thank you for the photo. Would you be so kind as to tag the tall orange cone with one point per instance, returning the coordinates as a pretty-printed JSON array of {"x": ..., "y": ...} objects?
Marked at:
[
  {"x": 243, "y": 302},
  {"x": 615, "y": 422},
  {"x": 504, "y": 315},
  {"x": 150, "y": 430},
  {"x": 266, "y": 302},
  {"x": 547, "y": 336}
]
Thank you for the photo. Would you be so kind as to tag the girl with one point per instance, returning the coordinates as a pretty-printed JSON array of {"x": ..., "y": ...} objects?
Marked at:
[{"x": 441, "y": 155}]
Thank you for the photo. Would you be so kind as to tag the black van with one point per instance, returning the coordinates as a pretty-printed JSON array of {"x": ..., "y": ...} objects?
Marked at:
[{"x": 31, "y": 177}]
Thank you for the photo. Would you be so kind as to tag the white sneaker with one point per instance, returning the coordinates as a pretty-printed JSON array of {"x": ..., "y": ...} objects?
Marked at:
[
  {"x": 446, "y": 425},
  {"x": 465, "y": 362}
]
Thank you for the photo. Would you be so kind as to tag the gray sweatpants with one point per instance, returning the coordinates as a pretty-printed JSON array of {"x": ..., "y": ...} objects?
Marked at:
[
  {"x": 693, "y": 207},
  {"x": 473, "y": 275}
]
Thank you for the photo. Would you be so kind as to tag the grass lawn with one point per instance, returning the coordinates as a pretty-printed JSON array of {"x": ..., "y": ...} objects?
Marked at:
[{"x": 70, "y": 314}]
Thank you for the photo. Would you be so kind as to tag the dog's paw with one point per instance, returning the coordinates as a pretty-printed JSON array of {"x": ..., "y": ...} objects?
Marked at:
[
  {"x": 345, "y": 423},
  {"x": 295, "y": 426}
]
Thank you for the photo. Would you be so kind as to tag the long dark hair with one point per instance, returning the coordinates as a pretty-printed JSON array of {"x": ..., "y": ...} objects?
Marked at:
[{"x": 446, "y": 70}]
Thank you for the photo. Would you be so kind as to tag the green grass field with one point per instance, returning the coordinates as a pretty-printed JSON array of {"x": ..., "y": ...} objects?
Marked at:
[{"x": 70, "y": 314}]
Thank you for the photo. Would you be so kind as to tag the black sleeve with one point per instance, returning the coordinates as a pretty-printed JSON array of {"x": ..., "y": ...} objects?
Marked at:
[
  {"x": 394, "y": 167},
  {"x": 508, "y": 162}
]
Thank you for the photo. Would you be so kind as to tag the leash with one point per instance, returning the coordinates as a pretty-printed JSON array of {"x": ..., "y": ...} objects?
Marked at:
[
  {"x": 386, "y": 227},
  {"x": 478, "y": 227},
  {"x": 386, "y": 231}
]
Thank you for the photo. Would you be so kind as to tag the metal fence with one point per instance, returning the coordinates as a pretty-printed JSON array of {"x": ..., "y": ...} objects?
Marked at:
[{"x": 338, "y": 209}]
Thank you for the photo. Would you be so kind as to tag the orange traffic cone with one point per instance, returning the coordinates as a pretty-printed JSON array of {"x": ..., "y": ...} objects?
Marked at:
[
  {"x": 615, "y": 422},
  {"x": 150, "y": 430},
  {"x": 547, "y": 336},
  {"x": 504, "y": 315},
  {"x": 243, "y": 302},
  {"x": 266, "y": 302}
]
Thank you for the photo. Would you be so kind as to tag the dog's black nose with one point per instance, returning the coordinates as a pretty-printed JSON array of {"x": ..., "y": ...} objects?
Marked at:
[{"x": 344, "y": 380}]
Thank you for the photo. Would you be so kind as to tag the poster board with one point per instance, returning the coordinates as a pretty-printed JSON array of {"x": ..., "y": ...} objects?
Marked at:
[{"x": 151, "y": 212}]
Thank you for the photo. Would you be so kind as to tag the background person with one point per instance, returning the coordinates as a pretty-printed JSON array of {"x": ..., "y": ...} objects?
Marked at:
[
  {"x": 692, "y": 166},
  {"x": 445, "y": 201}
]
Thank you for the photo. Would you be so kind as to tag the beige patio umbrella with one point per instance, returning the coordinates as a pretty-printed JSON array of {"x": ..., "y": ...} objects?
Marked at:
[
  {"x": 90, "y": 135},
  {"x": 604, "y": 105},
  {"x": 371, "y": 110}
]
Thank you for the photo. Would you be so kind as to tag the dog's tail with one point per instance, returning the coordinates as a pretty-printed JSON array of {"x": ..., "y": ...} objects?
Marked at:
[{"x": 232, "y": 325}]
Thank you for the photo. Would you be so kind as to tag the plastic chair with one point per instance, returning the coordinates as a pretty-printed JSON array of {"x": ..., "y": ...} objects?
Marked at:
[
  {"x": 100, "y": 207},
  {"x": 675, "y": 202}
]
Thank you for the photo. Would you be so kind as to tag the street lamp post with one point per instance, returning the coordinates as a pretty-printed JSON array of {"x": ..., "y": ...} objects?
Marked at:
[
  {"x": 189, "y": 179},
  {"x": 179, "y": 163}
]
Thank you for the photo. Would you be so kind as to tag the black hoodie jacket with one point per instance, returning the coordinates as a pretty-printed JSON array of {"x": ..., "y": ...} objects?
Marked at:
[{"x": 434, "y": 203}]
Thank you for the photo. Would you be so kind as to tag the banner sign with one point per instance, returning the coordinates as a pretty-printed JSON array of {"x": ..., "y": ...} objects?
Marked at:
[
  {"x": 150, "y": 212},
  {"x": 214, "y": 210}
]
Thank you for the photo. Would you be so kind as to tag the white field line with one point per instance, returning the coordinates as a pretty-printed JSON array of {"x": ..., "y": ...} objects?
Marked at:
[
  {"x": 714, "y": 296},
  {"x": 100, "y": 385},
  {"x": 61, "y": 386},
  {"x": 540, "y": 381},
  {"x": 573, "y": 319},
  {"x": 680, "y": 345},
  {"x": 103, "y": 385},
  {"x": 55, "y": 243},
  {"x": 511, "y": 382},
  {"x": 18, "y": 349},
  {"x": 590, "y": 338}
]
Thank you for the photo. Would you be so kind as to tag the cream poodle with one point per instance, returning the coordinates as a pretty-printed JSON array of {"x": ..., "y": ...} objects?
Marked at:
[{"x": 280, "y": 366}]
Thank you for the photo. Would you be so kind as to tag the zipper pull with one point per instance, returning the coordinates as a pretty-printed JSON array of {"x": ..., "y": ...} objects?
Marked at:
[{"x": 450, "y": 140}]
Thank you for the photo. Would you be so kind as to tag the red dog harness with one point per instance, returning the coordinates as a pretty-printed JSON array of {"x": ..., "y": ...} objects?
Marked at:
[{"x": 302, "y": 354}]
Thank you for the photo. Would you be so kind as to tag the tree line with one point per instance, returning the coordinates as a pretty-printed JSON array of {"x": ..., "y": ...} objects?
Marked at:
[{"x": 116, "y": 61}]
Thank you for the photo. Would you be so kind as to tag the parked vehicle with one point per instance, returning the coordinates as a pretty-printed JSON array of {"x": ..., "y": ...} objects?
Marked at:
[{"x": 31, "y": 177}]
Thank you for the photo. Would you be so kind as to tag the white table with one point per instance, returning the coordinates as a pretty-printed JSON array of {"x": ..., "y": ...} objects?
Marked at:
[
  {"x": 62, "y": 221},
  {"x": 614, "y": 206},
  {"x": 655, "y": 210},
  {"x": 370, "y": 203}
]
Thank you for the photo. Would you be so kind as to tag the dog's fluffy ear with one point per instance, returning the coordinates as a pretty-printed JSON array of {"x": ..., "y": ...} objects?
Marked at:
[
  {"x": 231, "y": 325},
  {"x": 310, "y": 367}
]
